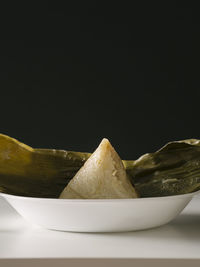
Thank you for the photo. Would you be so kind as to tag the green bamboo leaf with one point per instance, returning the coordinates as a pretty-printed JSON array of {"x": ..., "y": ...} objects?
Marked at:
[
  {"x": 36, "y": 172},
  {"x": 172, "y": 170}
]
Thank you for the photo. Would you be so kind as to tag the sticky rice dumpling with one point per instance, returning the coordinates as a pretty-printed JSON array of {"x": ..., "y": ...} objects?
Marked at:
[{"x": 102, "y": 176}]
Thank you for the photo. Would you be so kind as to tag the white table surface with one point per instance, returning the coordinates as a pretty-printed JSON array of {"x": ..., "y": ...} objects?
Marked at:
[{"x": 175, "y": 244}]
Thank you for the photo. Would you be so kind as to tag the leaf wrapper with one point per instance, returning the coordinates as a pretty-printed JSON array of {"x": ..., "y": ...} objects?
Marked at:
[
  {"x": 32, "y": 172},
  {"x": 172, "y": 170}
]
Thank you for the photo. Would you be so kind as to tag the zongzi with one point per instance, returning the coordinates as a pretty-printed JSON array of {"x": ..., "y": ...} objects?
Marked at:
[{"x": 102, "y": 176}]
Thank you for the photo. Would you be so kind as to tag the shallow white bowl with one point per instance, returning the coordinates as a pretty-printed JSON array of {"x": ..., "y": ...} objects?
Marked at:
[{"x": 99, "y": 215}]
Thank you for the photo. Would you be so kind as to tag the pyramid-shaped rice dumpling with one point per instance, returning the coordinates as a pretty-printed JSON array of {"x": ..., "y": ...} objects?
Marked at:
[{"x": 101, "y": 177}]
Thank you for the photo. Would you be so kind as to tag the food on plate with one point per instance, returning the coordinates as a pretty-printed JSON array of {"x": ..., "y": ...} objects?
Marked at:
[
  {"x": 102, "y": 176},
  {"x": 174, "y": 169}
]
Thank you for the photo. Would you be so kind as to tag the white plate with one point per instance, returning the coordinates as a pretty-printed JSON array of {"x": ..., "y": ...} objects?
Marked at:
[{"x": 99, "y": 215}]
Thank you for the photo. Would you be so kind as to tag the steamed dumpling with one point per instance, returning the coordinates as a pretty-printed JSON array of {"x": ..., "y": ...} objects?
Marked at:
[{"x": 102, "y": 176}]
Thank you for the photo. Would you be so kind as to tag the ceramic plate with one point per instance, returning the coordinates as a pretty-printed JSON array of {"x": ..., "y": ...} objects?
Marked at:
[{"x": 99, "y": 215}]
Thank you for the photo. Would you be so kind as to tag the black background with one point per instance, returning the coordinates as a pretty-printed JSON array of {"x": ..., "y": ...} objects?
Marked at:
[{"x": 71, "y": 74}]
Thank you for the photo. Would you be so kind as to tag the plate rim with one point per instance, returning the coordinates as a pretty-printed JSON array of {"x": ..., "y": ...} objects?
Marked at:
[{"x": 109, "y": 200}]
